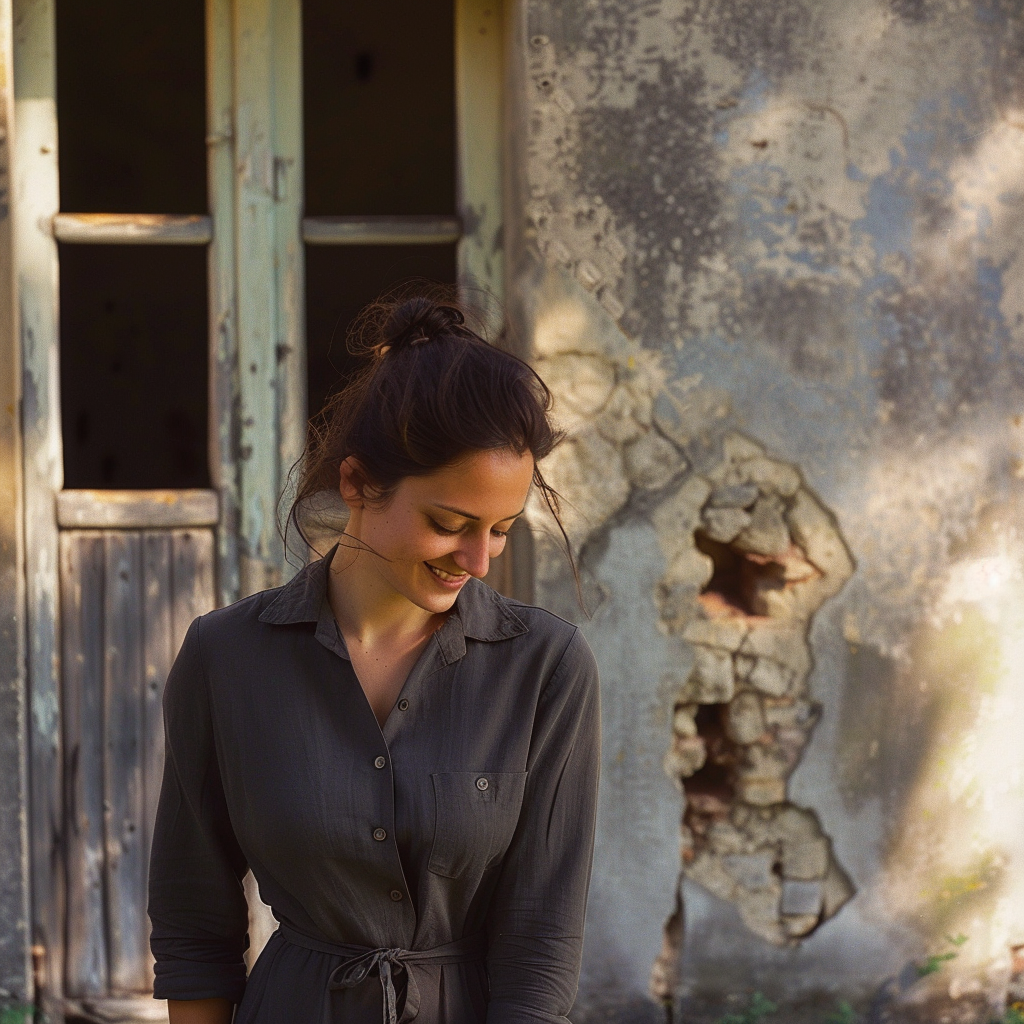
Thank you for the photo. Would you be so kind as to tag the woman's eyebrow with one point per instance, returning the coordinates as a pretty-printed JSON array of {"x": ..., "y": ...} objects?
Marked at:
[{"x": 469, "y": 515}]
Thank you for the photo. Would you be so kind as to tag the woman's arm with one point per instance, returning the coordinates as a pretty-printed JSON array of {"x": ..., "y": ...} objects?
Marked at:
[
  {"x": 199, "y": 1011},
  {"x": 196, "y": 902},
  {"x": 535, "y": 923}
]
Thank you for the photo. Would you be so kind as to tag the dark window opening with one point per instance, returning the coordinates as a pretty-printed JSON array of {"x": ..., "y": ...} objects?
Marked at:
[
  {"x": 710, "y": 790},
  {"x": 131, "y": 106},
  {"x": 379, "y": 107},
  {"x": 740, "y": 579},
  {"x": 364, "y": 65},
  {"x": 134, "y": 366},
  {"x": 340, "y": 281}
]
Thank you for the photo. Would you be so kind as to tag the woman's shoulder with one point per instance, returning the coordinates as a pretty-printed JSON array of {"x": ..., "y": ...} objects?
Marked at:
[
  {"x": 488, "y": 614},
  {"x": 541, "y": 628},
  {"x": 297, "y": 601}
]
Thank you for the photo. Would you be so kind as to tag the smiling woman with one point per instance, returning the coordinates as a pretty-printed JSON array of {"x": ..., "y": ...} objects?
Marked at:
[{"x": 406, "y": 760}]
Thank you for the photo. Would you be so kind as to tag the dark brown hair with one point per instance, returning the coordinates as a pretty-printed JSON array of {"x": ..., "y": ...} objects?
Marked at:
[{"x": 429, "y": 392}]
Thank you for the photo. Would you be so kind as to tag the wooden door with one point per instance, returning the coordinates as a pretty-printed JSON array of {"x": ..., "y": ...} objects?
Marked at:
[
  {"x": 129, "y": 589},
  {"x": 116, "y": 571}
]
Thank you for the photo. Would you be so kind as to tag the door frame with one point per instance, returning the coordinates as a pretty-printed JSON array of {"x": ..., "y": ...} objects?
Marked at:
[{"x": 255, "y": 233}]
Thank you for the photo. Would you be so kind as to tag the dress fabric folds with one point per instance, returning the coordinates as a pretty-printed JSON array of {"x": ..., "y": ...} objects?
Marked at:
[{"x": 435, "y": 870}]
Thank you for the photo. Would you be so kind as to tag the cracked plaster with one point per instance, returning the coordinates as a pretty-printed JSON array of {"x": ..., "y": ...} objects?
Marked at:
[{"x": 793, "y": 223}]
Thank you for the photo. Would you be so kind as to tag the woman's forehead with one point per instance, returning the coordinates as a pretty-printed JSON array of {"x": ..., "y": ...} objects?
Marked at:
[{"x": 480, "y": 484}]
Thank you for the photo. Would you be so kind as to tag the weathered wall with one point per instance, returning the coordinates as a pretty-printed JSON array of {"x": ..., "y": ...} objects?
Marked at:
[{"x": 769, "y": 258}]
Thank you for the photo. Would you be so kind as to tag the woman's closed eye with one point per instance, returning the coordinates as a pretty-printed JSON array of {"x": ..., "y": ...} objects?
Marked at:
[
  {"x": 447, "y": 532},
  {"x": 444, "y": 529}
]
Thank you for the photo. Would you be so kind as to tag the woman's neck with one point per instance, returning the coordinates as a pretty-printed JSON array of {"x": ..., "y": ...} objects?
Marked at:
[{"x": 368, "y": 609}]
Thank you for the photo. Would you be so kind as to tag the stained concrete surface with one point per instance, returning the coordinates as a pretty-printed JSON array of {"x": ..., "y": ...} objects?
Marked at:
[{"x": 795, "y": 223}]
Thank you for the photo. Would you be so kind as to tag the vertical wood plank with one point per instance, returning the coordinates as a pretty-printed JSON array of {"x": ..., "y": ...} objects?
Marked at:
[
  {"x": 224, "y": 384},
  {"x": 35, "y": 200},
  {"x": 256, "y": 170},
  {"x": 479, "y": 80},
  {"x": 192, "y": 591},
  {"x": 82, "y": 602},
  {"x": 123, "y": 789},
  {"x": 15, "y": 959},
  {"x": 158, "y": 652}
]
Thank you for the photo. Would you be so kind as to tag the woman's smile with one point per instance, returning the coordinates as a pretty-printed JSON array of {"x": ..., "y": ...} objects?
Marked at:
[{"x": 448, "y": 580}]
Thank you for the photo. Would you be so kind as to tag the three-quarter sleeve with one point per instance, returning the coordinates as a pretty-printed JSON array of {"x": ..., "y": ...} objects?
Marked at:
[
  {"x": 196, "y": 902},
  {"x": 535, "y": 924}
]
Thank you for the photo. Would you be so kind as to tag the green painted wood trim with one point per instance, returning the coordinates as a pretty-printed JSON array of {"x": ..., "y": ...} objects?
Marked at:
[
  {"x": 260, "y": 551},
  {"x": 15, "y": 950},
  {"x": 269, "y": 275},
  {"x": 290, "y": 263},
  {"x": 224, "y": 397},
  {"x": 381, "y": 230},
  {"x": 479, "y": 80},
  {"x": 35, "y": 197}
]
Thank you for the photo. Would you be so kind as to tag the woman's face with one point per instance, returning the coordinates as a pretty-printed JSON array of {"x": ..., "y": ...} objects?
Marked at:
[{"x": 439, "y": 530}]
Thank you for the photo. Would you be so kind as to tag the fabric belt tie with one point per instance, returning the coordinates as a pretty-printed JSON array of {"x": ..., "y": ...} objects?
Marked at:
[{"x": 359, "y": 961}]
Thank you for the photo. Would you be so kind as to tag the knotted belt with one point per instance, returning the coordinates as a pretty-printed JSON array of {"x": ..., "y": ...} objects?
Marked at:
[{"x": 358, "y": 961}]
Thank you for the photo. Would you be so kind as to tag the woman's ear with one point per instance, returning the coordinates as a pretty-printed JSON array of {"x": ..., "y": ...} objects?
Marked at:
[{"x": 353, "y": 482}]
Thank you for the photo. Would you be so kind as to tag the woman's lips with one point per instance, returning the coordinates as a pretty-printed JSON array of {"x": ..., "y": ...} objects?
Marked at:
[{"x": 447, "y": 579}]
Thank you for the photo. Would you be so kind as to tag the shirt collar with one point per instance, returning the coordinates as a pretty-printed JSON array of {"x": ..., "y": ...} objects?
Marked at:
[{"x": 480, "y": 613}]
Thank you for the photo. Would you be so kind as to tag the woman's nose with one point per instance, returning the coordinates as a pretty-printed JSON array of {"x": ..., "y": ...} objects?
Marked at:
[{"x": 474, "y": 557}]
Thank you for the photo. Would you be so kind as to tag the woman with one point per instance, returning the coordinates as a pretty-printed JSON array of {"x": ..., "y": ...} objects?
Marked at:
[{"x": 406, "y": 760}]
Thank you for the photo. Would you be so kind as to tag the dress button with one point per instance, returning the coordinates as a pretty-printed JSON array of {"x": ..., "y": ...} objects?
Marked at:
[
  {"x": 380, "y": 762},
  {"x": 403, "y": 705},
  {"x": 396, "y": 895},
  {"x": 380, "y": 835},
  {"x": 482, "y": 784}
]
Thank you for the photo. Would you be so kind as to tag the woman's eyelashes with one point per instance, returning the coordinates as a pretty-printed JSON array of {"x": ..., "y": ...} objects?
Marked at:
[
  {"x": 437, "y": 527},
  {"x": 446, "y": 532}
]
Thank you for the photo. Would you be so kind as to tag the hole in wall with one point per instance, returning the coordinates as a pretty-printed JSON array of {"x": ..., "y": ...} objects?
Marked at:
[
  {"x": 744, "y": 712},
  {"x": 710, "y": 791},
  {"x": 740, "y": 578}
]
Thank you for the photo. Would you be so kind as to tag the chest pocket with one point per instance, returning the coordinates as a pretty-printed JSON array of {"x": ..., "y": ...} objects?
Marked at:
[{"x": 476, "y": 816}]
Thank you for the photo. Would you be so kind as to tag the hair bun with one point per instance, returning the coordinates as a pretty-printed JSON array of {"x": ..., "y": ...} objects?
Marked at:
[{"x": 418, "y": 321}]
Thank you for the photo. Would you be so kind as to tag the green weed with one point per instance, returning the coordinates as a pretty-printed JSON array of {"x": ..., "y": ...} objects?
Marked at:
[
  {"x": 843, "y": 1015},
  {"x": 17, "y": 1014},
  {"x": 935, "y": 962},
  {"x": 1013, "y": 1015},
  {"x": 758, "y": 1009}
]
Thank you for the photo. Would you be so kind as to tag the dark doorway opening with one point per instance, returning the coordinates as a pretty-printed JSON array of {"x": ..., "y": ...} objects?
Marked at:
[
  {"x": 340, "y": 280},
  {"x": 131, "y": 106},
  {"x": 134, "y": 366},
  {"x": 379, "y": 107},
  {"x": 131, "y": 99}
]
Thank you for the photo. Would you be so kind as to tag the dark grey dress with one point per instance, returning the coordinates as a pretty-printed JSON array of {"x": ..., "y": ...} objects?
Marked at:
[{"x": 434, "y": 870}]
